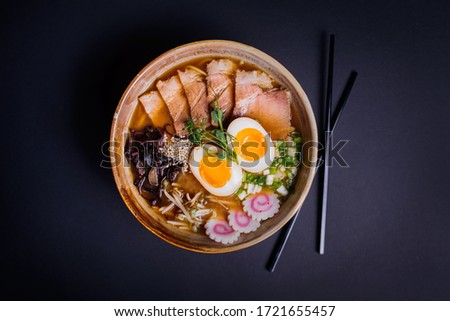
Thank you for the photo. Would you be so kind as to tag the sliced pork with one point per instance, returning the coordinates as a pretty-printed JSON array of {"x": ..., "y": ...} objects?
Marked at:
[
  {"x": 249, "y": 84},
  {"x": 272, "y": 109},
  {"x": 156, "y": 109},
  {"x": 256, "y": 98},
  {"x": 172, "y": 92},
  {"x": 194, "y": 85},
  {"x": 220, "y": 82}
]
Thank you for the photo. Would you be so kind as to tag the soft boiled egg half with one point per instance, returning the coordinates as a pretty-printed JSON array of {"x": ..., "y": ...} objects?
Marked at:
[
  {"x": 219, "y": 176},
  {"x": 252, "y": 144}
]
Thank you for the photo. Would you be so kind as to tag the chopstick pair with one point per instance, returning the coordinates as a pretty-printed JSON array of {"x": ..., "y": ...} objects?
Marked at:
[{"x": 330, "y": 127}]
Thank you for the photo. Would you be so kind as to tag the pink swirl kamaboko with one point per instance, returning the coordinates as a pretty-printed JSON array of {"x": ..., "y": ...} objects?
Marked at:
[
  {"x": 220, "y": 231},
  {"x": 241, "y": 222},
  {"x": 261, "y": 206}
]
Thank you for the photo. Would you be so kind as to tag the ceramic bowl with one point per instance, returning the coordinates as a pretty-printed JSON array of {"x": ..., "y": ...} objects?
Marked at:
[{"x": 159, "y": 68}]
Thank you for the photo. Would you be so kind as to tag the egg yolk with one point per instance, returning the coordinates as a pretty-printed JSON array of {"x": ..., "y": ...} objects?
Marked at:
[
  {"x": 250, "y": 144},
  {"x": 214, "y": 171}
]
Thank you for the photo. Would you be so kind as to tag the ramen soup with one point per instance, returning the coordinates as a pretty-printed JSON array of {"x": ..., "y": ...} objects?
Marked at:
[{"x": 213, "y": 148}]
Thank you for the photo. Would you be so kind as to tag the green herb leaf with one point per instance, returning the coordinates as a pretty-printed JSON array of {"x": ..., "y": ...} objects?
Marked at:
[
  {"x": 215, "y": 115},
  {"x": 222, "y": 155},
  {"x": 199, "y": 135},
  {"x": 220, "y": 135}
]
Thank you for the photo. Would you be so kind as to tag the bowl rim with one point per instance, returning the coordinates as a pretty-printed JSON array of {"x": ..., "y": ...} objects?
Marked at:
[{"x": 310, "y": 170}]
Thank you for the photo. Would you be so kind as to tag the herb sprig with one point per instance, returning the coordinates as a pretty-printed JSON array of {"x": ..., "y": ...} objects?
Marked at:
[{"x": 219, "y": 137}]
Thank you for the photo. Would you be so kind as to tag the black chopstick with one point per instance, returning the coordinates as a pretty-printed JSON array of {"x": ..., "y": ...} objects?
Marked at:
[
  {"x": 343, "y": 100},
  {"x": 276, "y": 254},
  {"x": 281, "y": 242},
  {"x": 329, "y": 95}
]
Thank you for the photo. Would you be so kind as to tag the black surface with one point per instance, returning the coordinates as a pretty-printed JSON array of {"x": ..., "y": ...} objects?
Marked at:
[{"x": 65, "y": 232}]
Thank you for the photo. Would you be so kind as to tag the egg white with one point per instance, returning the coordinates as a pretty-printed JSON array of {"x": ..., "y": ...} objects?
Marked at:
[
  {"x": 262, "y": 163},
  {"x": 230, "y": 187}
]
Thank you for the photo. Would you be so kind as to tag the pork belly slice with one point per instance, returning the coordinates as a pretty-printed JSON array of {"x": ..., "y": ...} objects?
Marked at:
[
  {"x": 220, "y": 84},
  {"x": 249, "y": 84},
  {"x": 194, "y": 85},
  {"x": 173, "y": 95},
  {"x": 156, "y": 109},
  {"x": 272, "y": 109}
]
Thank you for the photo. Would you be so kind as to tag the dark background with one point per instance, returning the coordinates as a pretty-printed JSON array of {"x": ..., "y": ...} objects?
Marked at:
[{"x": 66, "y": 233}]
